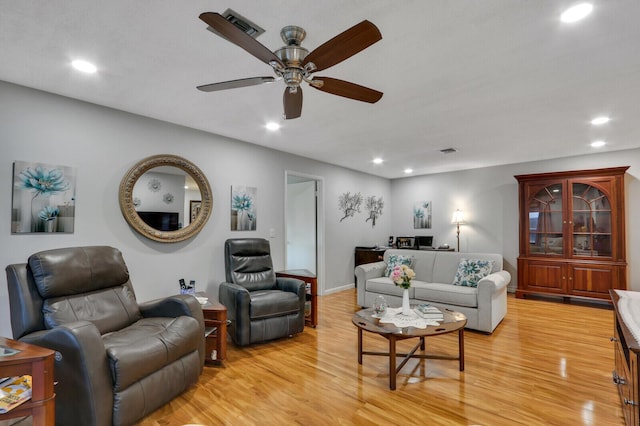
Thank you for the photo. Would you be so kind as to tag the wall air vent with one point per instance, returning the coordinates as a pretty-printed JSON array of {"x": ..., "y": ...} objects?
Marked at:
[
  {"x": 448, "y": 150},
  {"x": 242, "y": 23}
]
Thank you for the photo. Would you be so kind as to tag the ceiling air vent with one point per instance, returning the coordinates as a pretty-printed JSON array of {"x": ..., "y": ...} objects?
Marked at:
[
  {"x": 448, "y": 150},
  {"x": 242, "y": 23}
]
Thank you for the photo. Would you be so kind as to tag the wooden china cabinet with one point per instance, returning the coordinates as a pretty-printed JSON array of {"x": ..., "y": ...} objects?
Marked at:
[{"x": 572, "y": 233}]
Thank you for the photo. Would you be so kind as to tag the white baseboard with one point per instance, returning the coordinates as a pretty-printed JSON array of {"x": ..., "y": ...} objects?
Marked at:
[{"x": 339, "y": 289}]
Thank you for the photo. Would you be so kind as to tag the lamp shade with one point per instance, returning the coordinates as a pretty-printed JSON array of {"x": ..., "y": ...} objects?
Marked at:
[{"x": 458, "y": 217}]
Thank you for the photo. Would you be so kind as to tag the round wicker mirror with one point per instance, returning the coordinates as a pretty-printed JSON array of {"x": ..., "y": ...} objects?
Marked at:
[{"x": 171, "y": 219}]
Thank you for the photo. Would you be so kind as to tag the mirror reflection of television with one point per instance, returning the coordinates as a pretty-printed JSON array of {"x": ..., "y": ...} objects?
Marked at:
[
  {"x": 162, "y": 221},
  {"x": 424, "y": 242}
]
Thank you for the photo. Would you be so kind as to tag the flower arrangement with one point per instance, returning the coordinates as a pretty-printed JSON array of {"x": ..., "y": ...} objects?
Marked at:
[
  {"x": 48, "y": 213},
  {"x": 402, "y": 275}
]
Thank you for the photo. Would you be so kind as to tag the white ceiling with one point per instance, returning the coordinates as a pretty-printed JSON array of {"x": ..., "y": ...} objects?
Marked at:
[{"x": 502, "y": 81}]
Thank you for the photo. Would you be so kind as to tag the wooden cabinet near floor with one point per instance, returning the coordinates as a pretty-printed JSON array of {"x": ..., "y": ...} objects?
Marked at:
[
  {"x": 572, "y": 240},
  {"x": 625, "y": 375}
]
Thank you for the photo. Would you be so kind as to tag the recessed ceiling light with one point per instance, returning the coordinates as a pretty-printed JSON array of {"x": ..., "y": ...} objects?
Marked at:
[
  {"x": 600, "y": 120},
  {"x": 598, "y": 144},
  {"x": 84, "y": 66},
  {"x": 272, "y": 125},
  {"x": 408, "y": 171},
  {"x": 576, "y": 13},
  {"x": 377, "y": 161}
]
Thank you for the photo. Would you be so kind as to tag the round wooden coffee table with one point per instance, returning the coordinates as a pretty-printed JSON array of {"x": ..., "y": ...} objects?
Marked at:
[{"x": 453, "y": 321}]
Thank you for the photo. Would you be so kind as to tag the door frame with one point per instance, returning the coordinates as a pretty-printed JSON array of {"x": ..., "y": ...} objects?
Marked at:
[{"x": 320, "y": 255}]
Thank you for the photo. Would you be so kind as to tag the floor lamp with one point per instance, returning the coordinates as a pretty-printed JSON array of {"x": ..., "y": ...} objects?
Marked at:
[{"x": 457, "y": 218}]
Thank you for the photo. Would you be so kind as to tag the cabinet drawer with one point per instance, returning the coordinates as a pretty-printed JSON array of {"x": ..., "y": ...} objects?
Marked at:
[{"x": 621, "y": 377}]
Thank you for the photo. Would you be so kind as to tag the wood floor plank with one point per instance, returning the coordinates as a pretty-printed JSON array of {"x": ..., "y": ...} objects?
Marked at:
[{"x": 548, "y": 363}]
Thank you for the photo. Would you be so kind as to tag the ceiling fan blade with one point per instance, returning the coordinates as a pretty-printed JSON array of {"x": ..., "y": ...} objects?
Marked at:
[
  {"x": 233, "y": 34},
  {"x": 233, "y": 84},
  {"x": 346, "y": 89},
  {"x": 344, "y": 45},
  {"x": 292, "y": 103}
]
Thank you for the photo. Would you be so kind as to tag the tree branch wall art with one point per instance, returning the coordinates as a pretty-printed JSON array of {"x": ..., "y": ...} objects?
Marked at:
[
  {"x": 349, "y": 204},
  {"x": 374, "y": 207}
]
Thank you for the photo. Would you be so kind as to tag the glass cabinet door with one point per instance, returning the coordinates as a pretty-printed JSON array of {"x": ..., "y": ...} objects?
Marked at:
[
  {"x": 545, "y": 220},
  {"x": 591, "y": 221}
]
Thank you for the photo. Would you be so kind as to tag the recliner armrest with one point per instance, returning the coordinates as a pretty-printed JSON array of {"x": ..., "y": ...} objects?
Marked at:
[
  {"x": 237, "y": 300},
  {"x": 293, "y": 285},
  {"x": 172, "y": 306},
  {"x": 81, "y": 370},
  {"x": 176, "y": 306}
]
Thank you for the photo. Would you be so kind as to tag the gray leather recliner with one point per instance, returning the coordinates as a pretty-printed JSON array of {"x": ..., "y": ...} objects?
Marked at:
[
  {"x": 116, "y": 360},
  {"x": 260, "y": 305}
]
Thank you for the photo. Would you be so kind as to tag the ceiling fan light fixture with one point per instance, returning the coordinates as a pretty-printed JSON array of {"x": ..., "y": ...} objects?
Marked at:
[
  {"x": 576, "y": 13},
  {"x": 295, "y": 64}
]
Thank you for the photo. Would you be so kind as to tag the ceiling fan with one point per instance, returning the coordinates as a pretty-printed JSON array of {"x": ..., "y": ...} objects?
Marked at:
[{"x": 294, "y": 64}]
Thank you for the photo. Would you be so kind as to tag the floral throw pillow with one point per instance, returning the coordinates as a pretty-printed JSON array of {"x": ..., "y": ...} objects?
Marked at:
[
  {"x": 397, "y": 260},
  {"x": 470, "y": 271}
]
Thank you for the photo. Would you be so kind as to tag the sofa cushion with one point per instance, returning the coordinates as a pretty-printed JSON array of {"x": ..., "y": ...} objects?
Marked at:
[
  {"x": 446, "y": 293},
  {"x": 397, "y": 260},
  {"x": 148, "y": 345},
  {"x": 384, "y": 285},
  {"x": 470, "y": 271}
]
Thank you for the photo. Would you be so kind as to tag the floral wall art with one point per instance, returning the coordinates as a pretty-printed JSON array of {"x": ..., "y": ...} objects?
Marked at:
[
  {"x": 243, "y": 208},
  {"x": 349, "y": 204},
  {"x": 422, "y": 215},
  {"x": 43, "y": 198}
]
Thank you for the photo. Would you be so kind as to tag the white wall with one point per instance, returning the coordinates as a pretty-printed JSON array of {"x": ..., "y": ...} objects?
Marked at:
[
  {"x": 103, "y": 144},
  {"x": 489, "y": 199}
]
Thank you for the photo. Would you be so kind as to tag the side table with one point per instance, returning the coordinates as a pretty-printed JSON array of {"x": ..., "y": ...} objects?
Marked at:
[
  {"x": 37, "y": 362},
  {"x": 215, "y": 325},
  {"x": 311, "y": 283}
]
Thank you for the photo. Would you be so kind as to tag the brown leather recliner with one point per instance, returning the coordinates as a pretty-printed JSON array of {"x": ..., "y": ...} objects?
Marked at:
[{"x": 116, "y": 360}]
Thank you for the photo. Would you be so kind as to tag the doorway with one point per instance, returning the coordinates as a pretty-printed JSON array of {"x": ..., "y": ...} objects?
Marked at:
[{"x": 304, "y": 224}]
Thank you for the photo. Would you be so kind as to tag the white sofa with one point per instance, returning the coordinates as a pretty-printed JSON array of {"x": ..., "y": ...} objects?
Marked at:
[{"x": 484, "y": 306}]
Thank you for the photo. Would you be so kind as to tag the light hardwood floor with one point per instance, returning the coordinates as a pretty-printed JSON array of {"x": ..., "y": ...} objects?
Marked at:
[{"x": 548, "y": 363}]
